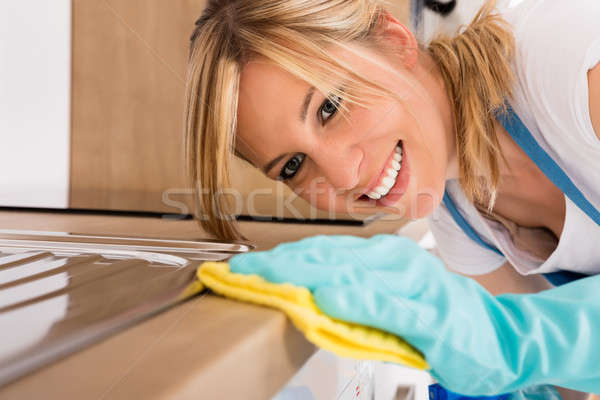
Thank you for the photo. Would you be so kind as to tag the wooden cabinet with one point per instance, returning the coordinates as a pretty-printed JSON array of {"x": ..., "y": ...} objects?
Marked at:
[{"x": 129, "y": 60}]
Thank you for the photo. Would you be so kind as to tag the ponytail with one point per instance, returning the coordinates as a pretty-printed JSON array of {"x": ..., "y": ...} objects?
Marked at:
[{"x": 476, "y": 69}]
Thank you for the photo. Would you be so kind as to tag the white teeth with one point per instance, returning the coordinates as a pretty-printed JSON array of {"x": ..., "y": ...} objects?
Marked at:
[
  {"x": 391, "y": 174},
  {"x": 382, "y": 190},
  {"x": 388, "y": 182}
]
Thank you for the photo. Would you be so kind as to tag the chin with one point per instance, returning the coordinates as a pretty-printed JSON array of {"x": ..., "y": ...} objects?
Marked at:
[{"x": 418, "y": 206}]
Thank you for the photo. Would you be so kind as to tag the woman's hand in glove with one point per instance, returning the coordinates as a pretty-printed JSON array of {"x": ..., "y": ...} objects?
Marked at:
[
  {"x": 389, "y": 282},
  {"x": 476, "y": 344}
]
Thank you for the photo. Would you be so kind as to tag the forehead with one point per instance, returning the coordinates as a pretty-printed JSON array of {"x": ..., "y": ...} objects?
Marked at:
[
  {"x": 269, "y": 104},
  {"x": 263, "y": 84}
]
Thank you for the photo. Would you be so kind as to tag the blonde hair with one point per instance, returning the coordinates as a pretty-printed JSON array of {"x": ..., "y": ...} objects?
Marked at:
[{"x": 297, "y": 35}]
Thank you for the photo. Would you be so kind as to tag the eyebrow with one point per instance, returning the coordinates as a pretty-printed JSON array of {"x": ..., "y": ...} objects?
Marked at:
[
  {"x": 306, "y": 103},
  {"x": 303, "y": 110},
  {"x": 243, "y": 157},
  {"x": 272, "y": 163}
]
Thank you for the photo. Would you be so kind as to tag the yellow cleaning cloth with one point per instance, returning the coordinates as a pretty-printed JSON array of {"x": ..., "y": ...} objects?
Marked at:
[{"x": 343, "y": 338}]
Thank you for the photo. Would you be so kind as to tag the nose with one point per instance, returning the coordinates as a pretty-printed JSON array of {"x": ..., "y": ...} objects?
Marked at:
[{"x": 338, "y": 163}]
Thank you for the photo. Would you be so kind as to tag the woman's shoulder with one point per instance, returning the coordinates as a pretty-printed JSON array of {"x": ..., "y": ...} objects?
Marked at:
[
  {"x": 557, "y": 42},
  {"x": 553, "y": 30},
  {"x": 551, "y": 18}
]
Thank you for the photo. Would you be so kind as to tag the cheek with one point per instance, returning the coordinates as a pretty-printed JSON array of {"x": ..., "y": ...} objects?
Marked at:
[
  {"x": 324, "y": 197},
  {"x": 426, "y": 185},
  {"x": 428, "y": 158}
]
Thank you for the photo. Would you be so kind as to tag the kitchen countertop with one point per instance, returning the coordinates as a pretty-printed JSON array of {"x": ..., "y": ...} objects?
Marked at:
[{"x": 207, "y": 347}]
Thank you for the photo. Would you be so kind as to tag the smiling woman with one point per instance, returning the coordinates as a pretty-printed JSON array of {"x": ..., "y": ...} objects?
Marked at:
[
  {"x": 491, "y": 128},
  {"x": 320, "y": 95},
  {"x": 337, "y": 99}
]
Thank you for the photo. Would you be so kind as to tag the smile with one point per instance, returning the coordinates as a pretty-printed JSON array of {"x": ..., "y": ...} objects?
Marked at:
[
  {"x": 388, "y": 178},
  {"x": 392, "y": 180}
]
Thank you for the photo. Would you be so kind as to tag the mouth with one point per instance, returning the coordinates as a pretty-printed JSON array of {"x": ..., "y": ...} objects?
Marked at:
[{"x": 392, "y": 181}]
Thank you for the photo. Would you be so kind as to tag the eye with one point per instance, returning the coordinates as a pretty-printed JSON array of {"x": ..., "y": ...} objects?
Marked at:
[
  {"x": 329, "y": 107},
  {"x": 291, "y": 167}
]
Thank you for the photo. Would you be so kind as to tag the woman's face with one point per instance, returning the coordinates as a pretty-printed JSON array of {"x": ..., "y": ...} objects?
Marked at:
[{"x": 294, "y": 133}]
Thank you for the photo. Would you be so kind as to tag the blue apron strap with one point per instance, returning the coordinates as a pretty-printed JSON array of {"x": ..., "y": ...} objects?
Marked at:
[
  {"x": 438, "y": 392},
  {"x": 560, "y": 278},
  {"x": 519, "y": 132},
  {"x": 521, "y": 135},
  {"x": 464, "y": 225}
]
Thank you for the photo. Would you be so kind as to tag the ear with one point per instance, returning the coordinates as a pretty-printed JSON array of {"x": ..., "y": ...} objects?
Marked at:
[{"x": 400, "y": 38}]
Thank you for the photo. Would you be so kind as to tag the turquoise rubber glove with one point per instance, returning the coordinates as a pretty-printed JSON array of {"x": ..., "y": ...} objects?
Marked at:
[{"x": 476, "y": 344}]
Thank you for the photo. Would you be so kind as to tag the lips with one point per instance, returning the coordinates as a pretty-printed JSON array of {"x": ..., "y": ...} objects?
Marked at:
[{"x": 386, "y": 195}]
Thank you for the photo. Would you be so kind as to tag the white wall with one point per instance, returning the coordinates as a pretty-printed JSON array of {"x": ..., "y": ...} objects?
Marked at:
[{"x": 35, "y": 59}]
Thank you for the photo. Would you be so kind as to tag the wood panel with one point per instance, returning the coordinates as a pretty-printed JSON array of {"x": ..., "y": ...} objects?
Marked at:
[{"x": 129, "y": 61}]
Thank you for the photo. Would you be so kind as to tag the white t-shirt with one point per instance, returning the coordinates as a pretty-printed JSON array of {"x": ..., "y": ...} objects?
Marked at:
[{"x": 557, "y": 42}]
